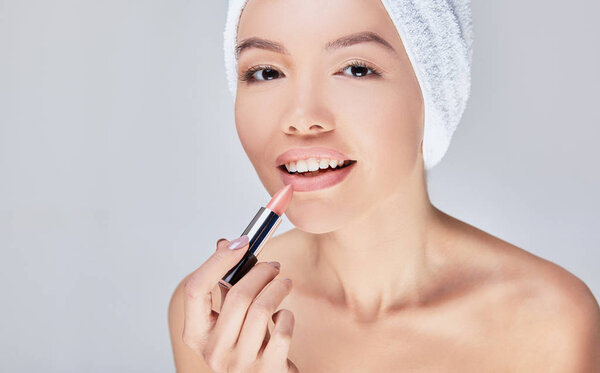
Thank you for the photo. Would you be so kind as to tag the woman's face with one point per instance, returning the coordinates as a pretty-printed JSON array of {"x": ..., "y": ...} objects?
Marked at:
[{"x": 312, "y": 96}]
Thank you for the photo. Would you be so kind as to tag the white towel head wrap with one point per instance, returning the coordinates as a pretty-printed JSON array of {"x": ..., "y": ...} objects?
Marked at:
[{"x": 438, "y": 37}]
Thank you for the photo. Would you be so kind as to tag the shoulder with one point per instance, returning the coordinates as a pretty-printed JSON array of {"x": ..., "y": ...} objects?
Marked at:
[
  {"x": 549, "y": 315},
  {"x": 552, "y": 312},
  {"x": 565, "y": 313}
]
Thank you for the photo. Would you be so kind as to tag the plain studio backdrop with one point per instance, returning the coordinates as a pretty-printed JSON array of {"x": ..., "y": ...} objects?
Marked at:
[{"x": 120, "y": 166}]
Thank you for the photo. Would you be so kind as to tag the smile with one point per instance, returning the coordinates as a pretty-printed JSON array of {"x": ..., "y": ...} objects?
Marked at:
[{"x": 322, "y": 177}]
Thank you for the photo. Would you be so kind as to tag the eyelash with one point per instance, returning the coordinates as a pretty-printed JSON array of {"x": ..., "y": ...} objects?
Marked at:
[{"x": 247, "y": 75}]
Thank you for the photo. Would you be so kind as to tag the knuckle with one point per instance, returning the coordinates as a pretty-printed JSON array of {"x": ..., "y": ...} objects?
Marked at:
[
  {"x": 238, "y": 296},
  {"x": 190, "y": 287},
  {"x": 192, "y": 291},
  {"x": 189, "y": 340},
  {"x": 214, "y": 359},
  {"x": 194, "y": 341},
  {"x": 260, "y": 311},
  {"x": 219, "y": 255},
  {"x": 237, "y": 366},
  {"x": 286, "y": 284}
]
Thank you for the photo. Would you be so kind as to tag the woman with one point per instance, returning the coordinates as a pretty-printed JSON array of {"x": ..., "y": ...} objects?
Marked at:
[{"x": 381, "y": 280}]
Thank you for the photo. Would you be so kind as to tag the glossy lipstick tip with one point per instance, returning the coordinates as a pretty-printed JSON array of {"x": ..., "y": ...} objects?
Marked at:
[{"x": 280, "y": 201}]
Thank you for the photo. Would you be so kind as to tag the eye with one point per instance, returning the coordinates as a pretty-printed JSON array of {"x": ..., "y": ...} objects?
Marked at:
[
  {"x": 267, "y": 72},
  {"x": 360, "y": 69},
  {"x": 260, "y": 73}
]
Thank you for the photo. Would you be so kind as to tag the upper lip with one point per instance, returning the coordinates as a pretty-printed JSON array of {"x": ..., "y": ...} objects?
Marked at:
[{"x": 306, "y": 153}]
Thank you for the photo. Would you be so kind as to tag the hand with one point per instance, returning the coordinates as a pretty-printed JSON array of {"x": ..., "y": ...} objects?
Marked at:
[{"x": 237, "y": 339}]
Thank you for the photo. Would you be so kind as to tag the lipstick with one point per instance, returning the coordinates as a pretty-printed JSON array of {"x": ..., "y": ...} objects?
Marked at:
[{"x": 260, "y": 229}]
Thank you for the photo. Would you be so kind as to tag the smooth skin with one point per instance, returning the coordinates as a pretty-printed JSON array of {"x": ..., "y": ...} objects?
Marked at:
[
  {"x": 383, "y": 281},
  {"x": 236, "y": 339}
]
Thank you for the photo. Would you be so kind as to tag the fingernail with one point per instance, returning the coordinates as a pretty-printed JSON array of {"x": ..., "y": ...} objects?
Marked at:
[
  {"x": 238, "y": 242},
  {"x": 275, "y": 264}
]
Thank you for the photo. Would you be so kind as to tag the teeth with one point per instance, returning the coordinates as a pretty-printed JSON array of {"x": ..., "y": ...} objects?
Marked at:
[
  {"x": 324, "y": 163},
  {"x": 301, "y": 166},
  {"x": 313, "y": 164}
]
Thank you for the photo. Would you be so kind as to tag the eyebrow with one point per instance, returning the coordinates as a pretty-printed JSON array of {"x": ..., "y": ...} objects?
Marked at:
[{"x": 344, "y": 41}]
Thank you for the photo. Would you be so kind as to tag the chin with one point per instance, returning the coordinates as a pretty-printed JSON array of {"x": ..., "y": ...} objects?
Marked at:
[
  {"x": 315, "y": 227},
  {"x": 317, "y": 216}
]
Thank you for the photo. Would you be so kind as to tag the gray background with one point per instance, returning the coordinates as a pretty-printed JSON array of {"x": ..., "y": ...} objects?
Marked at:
[{"x": 117, "y": 147}]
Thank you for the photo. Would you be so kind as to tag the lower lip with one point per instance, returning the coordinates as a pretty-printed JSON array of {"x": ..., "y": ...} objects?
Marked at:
[{"x": 320, "y": 181}]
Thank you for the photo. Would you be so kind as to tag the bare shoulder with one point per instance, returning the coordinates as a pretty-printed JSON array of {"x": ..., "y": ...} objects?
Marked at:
[
  {"x": 562, "y": 311},
  {"x": 523, "y": 306},
  {"x": 548, "y": 312}
]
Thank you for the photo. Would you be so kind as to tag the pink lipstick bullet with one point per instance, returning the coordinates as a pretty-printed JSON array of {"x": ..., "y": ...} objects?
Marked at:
[{"x": 260, "y": 229}]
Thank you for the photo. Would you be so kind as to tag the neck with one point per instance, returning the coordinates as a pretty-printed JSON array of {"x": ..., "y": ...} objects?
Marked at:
[{"x": 383, "y": 260}]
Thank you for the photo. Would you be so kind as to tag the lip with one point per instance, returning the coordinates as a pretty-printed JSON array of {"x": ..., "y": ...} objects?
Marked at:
[
  {"x": 305, "y": 153},
  {"x": 321, "y": 181}
]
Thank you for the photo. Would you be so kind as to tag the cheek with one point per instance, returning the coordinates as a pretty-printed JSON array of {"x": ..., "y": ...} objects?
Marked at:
[
  {"x": 253, "y": 120},
  {"x": 385, "y": 122}
]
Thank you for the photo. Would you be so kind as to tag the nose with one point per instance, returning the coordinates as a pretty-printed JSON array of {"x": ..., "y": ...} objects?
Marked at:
[
  {"x": 305, "y": 128},
  {"x": 308, "y": 112}
]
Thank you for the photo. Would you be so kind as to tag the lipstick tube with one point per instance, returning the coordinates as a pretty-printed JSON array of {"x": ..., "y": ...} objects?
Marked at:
[{"x": 260, "y": 229}]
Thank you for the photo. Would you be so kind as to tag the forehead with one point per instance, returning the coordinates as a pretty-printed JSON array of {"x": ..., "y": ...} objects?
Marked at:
[{"x": 294, "y": 22}]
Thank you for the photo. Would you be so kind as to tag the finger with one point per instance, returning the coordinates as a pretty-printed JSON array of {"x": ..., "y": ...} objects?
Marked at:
[
  {"x": 224, "y": 335},
  {"x": 277, "y": 350},
  {"x": 199, "y": 317},
  {"x": 219, "y": 241},
  {"x": 260, "y": 312}
]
